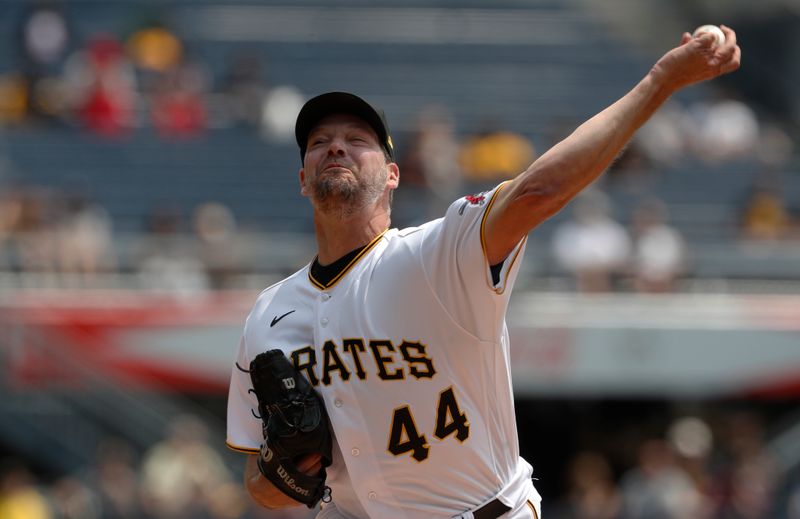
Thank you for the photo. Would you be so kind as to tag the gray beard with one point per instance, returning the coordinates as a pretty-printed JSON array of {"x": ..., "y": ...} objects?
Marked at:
[{"x": 333, "y": 196}]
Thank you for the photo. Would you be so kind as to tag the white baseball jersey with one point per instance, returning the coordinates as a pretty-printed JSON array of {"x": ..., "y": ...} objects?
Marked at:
[{"x": 409, "y": 349}]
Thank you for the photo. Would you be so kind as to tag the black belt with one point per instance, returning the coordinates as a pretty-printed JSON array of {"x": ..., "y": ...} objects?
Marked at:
[{"x": 491, "y": 510}]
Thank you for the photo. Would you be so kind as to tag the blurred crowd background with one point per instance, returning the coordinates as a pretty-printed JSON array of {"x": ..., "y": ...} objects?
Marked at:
[{"x": 147, "y": 148}]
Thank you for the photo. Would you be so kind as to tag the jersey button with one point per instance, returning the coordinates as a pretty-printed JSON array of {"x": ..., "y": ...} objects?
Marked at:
[
  {"x": 355, "y": 451},
  {"x": 372, "y": 495},
  {"x": 337, "y": 403},
  {"x": 326, "y": 296},
  {"x": 324, "y": 321}
]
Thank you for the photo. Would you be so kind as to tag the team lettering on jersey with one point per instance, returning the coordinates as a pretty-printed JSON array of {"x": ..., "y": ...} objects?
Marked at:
[
  {"x": 387, "y": 361},
  {"x": 376, "y": 357}
]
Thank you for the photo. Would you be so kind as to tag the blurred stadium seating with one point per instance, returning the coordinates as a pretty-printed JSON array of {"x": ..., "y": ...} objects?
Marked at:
[{"x": 147, "y": 334}]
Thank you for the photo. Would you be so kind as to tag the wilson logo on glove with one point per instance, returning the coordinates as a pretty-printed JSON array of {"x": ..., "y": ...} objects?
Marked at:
[{"x": 290, "y": 481}]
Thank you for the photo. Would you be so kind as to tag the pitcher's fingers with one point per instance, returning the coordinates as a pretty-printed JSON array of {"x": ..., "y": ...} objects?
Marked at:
[
  {"x": 734, "y": 63},
  {"x": 707, "y": 40},
  {"x": 685, "y": 38},
  {"x": 725, "y": 53},
  {"x": 730, "y": 34}
]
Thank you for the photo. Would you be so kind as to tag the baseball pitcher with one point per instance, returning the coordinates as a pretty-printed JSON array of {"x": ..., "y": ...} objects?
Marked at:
[{"x": 376, "y": 380}]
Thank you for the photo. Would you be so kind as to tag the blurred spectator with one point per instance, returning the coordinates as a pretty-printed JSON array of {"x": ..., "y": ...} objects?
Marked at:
[
  {"x": 657, "y": 488},
  {"x": 72, "y": 499},
  {"x": 659, "y": 251},
  {"x": 723, "y": 129},
  {"x": 13, "y": 99},
  {"x": 168, "y": 262},
  {"x": 44, "y": 40},
  {"x": 494, "y": 154},
  {"x": 34, "y": 234},
  {"x": 182, "y": 474},
  {"x": 793, "y": 503},
  {"x": 279, "y": 111},
  {"x": 154, "y": 50},
  {"x": 775, "y": 147},
  {"x": 85, "y": 238},
  {"x": 430, "y": 165},
  {"x": 592, "y": 247},
  {"x": 748, "y": 477},
  {"x": 765, "y": 216},
  {"x": 691, "y": 438},
  {"x": 101, "y": 84},
  {"x": 751, "y": 487},
  {"x": 245, "y": 87},
  {"x": 215, "y": 228},
  {"x": 692, "y": 442},
  {"x": 663, "y": 138},
  {"x": 591, "y": 492},
  {"x": 176, "y": 87},
  {"x": 61, "y": 236},
  {"x": 19, "y": 496},
  {"x": 228, "y": 500},
  {"x": 179, "y": 101},
  {"x": 11, "y": 207},
  {"x": 114, "y": 478}
]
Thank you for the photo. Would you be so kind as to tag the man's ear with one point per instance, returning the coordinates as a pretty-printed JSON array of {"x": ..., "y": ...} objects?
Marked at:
[
  {"x": 393, "y": 179},
  {"x": 303, "y": 188}
]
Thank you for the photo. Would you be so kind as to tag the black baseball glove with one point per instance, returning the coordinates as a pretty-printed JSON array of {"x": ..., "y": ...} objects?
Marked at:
[{"x": 295, "y": 425}]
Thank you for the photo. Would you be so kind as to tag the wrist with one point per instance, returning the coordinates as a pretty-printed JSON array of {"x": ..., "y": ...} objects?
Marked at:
[{"x": 658, "y": 81}]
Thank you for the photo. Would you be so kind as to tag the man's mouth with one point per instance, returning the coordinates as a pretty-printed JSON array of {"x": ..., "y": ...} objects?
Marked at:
[{"x": 334, "y": 165}]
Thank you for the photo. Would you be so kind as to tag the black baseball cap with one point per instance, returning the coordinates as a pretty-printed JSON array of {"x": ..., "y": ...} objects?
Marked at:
[{"x": 324, "y": 105}]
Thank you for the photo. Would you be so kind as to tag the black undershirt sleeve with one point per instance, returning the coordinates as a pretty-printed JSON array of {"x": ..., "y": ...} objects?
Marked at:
[{"x": 496, "y": 269}]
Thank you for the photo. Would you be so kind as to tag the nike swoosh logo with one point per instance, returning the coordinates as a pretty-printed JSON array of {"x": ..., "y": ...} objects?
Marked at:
[{"x": 276, "y": 318}]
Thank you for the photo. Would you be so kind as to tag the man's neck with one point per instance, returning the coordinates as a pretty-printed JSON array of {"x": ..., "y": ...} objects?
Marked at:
[{"x": 336, "y": 236}]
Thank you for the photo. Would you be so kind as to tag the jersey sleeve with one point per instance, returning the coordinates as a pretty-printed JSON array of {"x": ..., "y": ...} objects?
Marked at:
[
  {"x": 244, "y": 429},
  {"x": 453, "y": 256}
]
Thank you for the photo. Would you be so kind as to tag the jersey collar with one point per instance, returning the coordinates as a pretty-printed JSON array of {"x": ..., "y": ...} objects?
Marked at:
[{"x": 346, "y": 268}]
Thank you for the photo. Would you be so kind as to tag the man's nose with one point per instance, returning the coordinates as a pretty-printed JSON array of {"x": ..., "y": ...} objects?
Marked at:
[{"x": 336, "y": 147}]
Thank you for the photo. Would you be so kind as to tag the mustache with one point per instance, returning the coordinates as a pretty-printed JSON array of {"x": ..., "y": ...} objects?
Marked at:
[{"x": 338, "y": 163}]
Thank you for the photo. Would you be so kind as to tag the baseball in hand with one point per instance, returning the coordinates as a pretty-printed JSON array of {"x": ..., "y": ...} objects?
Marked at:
[{"x": 713, "y": 29}]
